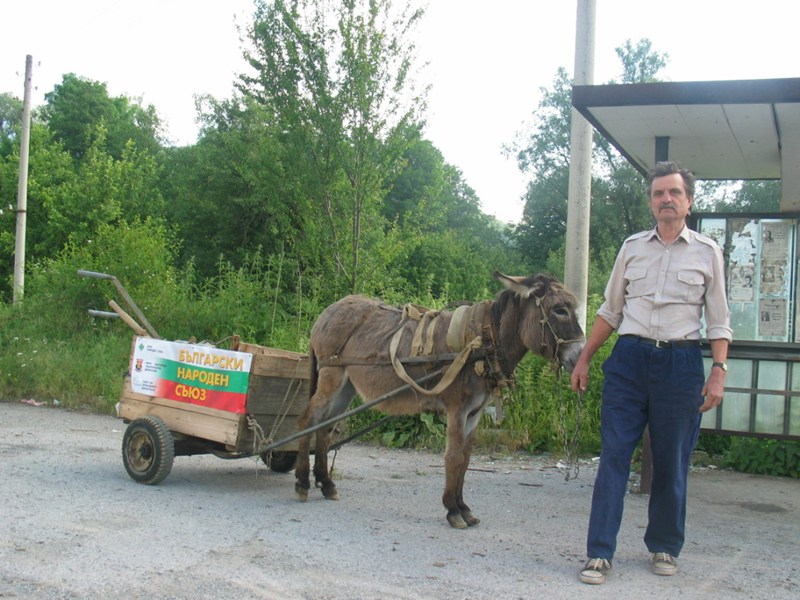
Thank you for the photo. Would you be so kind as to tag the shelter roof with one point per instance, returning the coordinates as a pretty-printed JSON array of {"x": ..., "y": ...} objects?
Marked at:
[{"x": 719, "y": 129}]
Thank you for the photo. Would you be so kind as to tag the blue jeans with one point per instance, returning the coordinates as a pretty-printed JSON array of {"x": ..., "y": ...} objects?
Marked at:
[{"x": 660, "y": 387}]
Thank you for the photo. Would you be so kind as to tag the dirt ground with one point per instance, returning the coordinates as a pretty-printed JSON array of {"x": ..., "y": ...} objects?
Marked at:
[{"x": 74, "y": 525}]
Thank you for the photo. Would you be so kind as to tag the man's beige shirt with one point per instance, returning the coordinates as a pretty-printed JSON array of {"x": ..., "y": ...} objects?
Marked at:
[{"x": 661, "y": 291}]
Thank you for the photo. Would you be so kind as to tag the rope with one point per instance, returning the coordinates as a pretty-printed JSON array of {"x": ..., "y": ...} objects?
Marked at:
[
  {"x": 452, "y": 371},
  {"x": 259, "y": 439},
  {"x": 283, "y": 412}
]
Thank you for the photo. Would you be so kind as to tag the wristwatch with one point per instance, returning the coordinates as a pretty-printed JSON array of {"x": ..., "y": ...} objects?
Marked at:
[{"x": 721, "y": 365}]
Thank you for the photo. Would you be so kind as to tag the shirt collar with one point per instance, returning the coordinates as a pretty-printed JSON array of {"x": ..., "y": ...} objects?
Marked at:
[{"x": 685, "y": 234}]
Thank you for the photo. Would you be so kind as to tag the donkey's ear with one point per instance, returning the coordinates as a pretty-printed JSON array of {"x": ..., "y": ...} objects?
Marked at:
[{"x": 519, "y": 285}]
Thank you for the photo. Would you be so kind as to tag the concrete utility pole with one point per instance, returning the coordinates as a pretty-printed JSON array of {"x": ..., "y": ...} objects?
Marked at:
[
  {"x": 576, "y": 261},
  {"x": 22, "y": 188}
]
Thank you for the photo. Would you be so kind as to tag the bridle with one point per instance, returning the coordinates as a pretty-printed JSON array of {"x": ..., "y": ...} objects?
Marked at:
[{"x": 547, "y": 325}]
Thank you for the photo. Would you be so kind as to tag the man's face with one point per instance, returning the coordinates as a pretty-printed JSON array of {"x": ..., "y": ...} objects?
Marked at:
[{"x": 668, "y": 199}]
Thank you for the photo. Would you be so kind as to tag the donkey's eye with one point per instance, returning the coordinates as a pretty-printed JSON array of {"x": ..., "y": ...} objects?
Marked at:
[{"x": 561, "y": 312}]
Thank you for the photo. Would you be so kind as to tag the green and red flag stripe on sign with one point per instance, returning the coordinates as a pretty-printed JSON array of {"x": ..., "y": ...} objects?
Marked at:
[{"x": 191, "y": 373}]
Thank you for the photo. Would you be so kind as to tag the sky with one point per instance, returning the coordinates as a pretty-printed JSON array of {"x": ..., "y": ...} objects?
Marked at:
[{"x": 487, "y": 61}]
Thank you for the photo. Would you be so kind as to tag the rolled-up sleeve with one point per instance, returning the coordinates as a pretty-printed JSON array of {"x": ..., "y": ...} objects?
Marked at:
[
  {"x": 717, "y": 313},
  {"x": 612, "y": 308}
]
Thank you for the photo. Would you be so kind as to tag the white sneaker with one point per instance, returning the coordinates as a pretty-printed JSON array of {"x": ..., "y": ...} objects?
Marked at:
[
  {"x": 594, "y": 571},
  {"x": 663, "y": 563}
]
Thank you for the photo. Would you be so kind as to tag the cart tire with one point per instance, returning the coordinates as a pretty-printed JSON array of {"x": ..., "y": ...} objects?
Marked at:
[
  {"x": 148, "y": 450},
  {"x": 280, "y": 462}
]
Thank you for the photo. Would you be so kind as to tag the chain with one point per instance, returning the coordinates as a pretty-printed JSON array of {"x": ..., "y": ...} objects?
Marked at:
[{"x": 570, "y": 443}]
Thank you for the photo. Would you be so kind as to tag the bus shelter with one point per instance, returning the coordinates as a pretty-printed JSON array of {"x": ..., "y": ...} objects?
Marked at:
[{"x": 730, "y": 130}]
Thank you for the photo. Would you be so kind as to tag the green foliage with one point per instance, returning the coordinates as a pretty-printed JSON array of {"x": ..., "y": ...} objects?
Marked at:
[
  {"x": 10, "y": 121},
  {"x": 714, "y": 444},
  {"x": 77, "y": 106},
  {"x": 334, "y": 78},
  {"x": 543, "y": 150},
  {"x": 426, "y": 430},
  {"x": 764, "y": 456},
  {"x": 51, "y": 348},
  {"x": 740, "y": 197},
  {"x": 640, "y": 63}
]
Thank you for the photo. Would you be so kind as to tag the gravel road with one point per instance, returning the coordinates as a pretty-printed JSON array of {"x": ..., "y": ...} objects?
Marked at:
[{"x": 74, "y": 525}]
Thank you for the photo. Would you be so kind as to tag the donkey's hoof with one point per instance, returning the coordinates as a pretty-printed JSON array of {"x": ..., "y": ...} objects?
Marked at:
[
  {"x": 301, "y": 491},
  {"x": 469, "y": 518},
  {"x": 456, "y": 520},
  {"x": 330, "y": 493}
]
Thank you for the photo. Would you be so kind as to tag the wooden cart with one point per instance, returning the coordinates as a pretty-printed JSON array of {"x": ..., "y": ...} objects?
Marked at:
[
  {"x": 184, "y": 421},
  {"x": 182, "y": 398}
]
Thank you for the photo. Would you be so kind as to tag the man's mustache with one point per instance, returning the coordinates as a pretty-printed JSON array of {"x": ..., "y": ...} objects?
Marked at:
[{"x": 667, "y": 205}]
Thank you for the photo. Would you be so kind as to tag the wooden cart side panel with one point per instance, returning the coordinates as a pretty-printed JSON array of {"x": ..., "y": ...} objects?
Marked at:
[
  {"x": 181, "y": 417},
  {"x": 277, "y": 396},
  {"x": 276, "y": 362},
  {"x": 275, "y": 403}
]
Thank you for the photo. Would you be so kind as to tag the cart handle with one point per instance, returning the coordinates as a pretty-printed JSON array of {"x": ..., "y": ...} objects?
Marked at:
[{"x": 124, "y": 293}]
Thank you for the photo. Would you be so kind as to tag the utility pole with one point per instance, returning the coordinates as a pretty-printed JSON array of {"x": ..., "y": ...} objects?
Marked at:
[
  {"x": 576, "y": 260},
  {"x": 22, "y": 188}
]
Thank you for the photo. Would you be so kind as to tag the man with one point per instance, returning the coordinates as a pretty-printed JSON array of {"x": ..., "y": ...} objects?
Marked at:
[{"x": 663, "y": 282}]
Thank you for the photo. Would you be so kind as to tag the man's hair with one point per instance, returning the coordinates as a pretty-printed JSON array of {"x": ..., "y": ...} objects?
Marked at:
[{"x": 668, "y": 167}]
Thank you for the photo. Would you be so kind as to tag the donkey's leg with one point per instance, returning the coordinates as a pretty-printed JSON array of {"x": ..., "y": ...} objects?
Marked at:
[
  {"x": 322, "y": 478},
  {"x": 301, "y": 465},
  {"x": 453, "y": 463},
  {"x": 466, "y": 513},
  {"x": 328, "y": 382},
  {"x": 476, "y": 404},
  {"x": 333, "y": 395}
]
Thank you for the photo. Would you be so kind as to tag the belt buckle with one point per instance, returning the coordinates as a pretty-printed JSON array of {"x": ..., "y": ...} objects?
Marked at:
[{"x": 662, "y": 344}]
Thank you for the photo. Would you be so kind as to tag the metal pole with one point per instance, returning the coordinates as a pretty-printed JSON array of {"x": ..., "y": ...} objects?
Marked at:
[
  {"x": 22, "y": 188},
  {"x": 576, "y": 260},
  {"x": 333, "y": 420}
]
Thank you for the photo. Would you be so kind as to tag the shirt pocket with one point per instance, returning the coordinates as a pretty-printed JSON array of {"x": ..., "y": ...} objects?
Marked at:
[
  {"x": 691, "y": 286},
  {"x": 637, "y": 282}
]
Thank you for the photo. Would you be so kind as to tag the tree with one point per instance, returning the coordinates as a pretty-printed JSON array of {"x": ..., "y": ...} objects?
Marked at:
[
  {"x": 447, "y": 247},
  {"x": 740, "y": 196},
  {"x": 617, "y": 204},
  {"x": 640, "y": 63},
  {"x": 69, "y": 201},
  {"x": 231, "y": 196},
  {"x": 10, "y": 121},
  {"x": 77, "y": 106},
  {"x": 334, "y": 77}
]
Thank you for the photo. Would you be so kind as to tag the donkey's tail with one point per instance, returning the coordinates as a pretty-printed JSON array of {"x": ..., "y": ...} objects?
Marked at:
[{"x": 312, "y": 387}]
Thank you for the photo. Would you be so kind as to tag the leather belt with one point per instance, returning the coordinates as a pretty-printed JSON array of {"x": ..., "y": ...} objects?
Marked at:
[{"x": 664, "y": 343}]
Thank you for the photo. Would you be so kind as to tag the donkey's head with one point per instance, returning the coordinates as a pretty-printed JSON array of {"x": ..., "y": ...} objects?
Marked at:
[{"x": 543, "y": 312}]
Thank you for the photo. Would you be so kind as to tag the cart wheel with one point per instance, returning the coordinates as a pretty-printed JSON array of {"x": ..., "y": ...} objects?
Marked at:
[
  {"x": 148, "y": 450},
  {"x": 280, "y": 462}
]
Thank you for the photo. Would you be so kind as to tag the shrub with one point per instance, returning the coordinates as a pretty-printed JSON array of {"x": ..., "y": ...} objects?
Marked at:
[{"x": 764, "y": 456}]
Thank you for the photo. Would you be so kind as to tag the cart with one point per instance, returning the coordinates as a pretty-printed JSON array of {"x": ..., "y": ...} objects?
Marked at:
[{"x": 181, "y": 398}]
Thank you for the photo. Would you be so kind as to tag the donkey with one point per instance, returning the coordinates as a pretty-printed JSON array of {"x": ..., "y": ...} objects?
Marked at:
[{"x": 363, "y": 346}]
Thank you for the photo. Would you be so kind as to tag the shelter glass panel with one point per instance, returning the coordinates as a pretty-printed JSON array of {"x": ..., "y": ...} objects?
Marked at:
[
  {"x": 770, "y": 408},
  {"x": 769, "y": 414},
  {"x": 794, "y": 416},
  {"x": 760, "y": 274},
  {"x": 736, "y": 407}
]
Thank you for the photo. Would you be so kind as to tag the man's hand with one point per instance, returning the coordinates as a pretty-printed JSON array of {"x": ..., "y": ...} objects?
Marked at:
[
  {"x": 580, "y": 375},
  {"x": 713, "y": 389}
]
